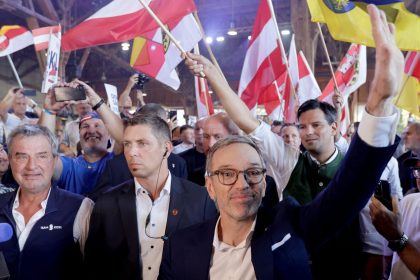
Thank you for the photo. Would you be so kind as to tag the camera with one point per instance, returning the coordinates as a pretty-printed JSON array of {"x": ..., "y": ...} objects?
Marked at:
[{"x": 142, "y": 80}]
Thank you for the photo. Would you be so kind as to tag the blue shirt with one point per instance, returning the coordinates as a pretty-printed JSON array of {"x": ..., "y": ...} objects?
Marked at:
[{"x": 79, "y": 176}]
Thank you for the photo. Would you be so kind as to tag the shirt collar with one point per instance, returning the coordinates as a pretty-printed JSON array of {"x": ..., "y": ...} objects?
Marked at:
[
  {"x": 221, "y": 246},
  {"x": 165, "y": 191},
  {"x": 43, "y": 203},
  {"x": 334, "y": 155}
]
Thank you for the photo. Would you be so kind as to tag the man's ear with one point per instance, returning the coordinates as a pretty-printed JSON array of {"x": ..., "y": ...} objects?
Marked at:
[
  {"x": 334, "y": 128},
  {"x": 210, "y": 188}
]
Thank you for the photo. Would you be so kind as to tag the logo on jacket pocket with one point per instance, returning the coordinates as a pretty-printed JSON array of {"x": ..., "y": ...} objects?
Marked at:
[{"x": 51, "y": 227}]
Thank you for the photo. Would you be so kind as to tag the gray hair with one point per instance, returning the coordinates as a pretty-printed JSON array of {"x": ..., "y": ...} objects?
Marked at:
[
  {"x": 227, "y": 122},
  {"x": 229, "y": 140},
  {"x": 30, "y": 130}
]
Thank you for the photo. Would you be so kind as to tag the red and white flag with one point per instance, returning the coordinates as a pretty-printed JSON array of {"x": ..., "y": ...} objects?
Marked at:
[
  {"x": 273, "y": 97},
  {"x": 123, "y": 20},
  {"x": 155, "y": 55},
  {"x": 350, "y": 75},
  {"x": 263, "y": 60},
  {"x": 42, "y": 36},
  {"x": 14, "y": 38},
  {"x": 308, "y": 87},
  {"x": 202, "y": 94}
]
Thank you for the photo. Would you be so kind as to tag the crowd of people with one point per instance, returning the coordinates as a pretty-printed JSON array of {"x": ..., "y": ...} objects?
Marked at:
[{"x": 110, "y": 196}]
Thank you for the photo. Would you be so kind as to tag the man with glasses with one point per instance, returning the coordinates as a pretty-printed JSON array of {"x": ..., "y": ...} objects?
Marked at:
[
  {"x": 246, "y": 244},
  {"x": 131, "y": 221}
]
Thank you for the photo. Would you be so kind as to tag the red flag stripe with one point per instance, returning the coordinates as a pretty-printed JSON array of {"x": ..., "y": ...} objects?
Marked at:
[{"x": 124, "y": 27}]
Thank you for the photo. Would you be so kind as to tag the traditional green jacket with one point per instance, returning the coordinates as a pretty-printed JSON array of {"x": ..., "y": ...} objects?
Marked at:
[{"x": 309, "y": 178}]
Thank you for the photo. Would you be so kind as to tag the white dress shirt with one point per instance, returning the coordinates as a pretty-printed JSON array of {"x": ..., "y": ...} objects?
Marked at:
[
  {"x": 232, "y": 262},
  {"x": 281, "y": 158},
  {"x": 80, "y": 225},
  {"x": 151, "y": 248}
]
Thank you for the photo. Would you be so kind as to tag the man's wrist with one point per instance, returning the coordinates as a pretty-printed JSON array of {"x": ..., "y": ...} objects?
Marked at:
[
  {"x": 49, "y": 112},
  {"x": 397, "y": 245}
]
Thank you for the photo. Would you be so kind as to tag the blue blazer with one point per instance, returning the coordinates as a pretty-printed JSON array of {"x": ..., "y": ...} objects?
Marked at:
[
  {"x": 285, "y": 236},
  {"x": 112, "y": 249}
]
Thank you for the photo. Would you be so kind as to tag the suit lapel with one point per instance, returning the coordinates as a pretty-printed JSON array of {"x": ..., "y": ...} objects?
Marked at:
[
  {"x": 176, "y": 205},
  {"x": 200, "y": 252},
  {"x": 127, "y": 205},
  {"x": 261, "y": 253}
]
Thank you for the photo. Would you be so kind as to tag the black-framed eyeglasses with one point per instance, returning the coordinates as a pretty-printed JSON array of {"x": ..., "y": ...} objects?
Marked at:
[{"x": 229, "y": 176}]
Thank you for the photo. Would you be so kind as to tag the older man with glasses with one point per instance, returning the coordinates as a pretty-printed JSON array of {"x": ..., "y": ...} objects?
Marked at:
[{"x": 246, "y": 241}]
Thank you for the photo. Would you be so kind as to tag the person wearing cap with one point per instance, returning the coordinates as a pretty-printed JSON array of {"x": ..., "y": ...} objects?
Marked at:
[
  {"x": 401, "y": 227},
  {"x": 71, "y": 134},
  {"x": 79, "y": 175}
]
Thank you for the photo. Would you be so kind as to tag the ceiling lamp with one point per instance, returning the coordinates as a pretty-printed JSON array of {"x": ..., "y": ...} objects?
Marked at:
[
  {"x": 220, "y": 38},
  {"x": 232, "y": 31},
  {"x": 209, "y": 40},
  {"x": 285, "y": 32},
  {"x": 125, "y": 46}
]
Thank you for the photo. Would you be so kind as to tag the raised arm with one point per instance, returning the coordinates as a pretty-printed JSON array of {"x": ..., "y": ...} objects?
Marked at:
[
  {"x": 7, "y": 102},
  {"x": 231, "y": 102},
  {"x": 111, "y": 120},
  {"x": 126, "y": 92},
  {"x": 369, "y": 152}
]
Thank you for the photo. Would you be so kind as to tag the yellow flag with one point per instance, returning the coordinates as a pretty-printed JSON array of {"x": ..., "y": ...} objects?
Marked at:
[{"x": 349, "y": 21}]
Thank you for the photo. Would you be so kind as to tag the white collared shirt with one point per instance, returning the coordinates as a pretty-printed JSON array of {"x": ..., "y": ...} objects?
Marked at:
[
  {"x": 151, "y": 248},
  {"x": 232, "y": 262},
  {"x": 80, "y": 225},
  {"x": 330, "y": 159}
]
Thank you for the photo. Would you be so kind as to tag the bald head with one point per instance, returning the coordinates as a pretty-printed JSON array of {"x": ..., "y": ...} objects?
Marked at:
[{"x": 217, "y": 127}]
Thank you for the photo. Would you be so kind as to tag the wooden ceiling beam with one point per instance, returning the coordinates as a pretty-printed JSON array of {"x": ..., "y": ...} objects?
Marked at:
[
  {"x": 17, "y": 9},
  {"x": 48, "y": 9}
]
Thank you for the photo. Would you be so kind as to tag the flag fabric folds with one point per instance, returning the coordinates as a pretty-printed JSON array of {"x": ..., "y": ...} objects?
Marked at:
[
  {"x": 308, "y": 87},
  {"x": 14, "y": 38},
  {"x": 263, "y": 60},
  {"x": 157, "y": 57},
  {"x": 123, "y": 20},
  {"x": 42, "y": 36},
  {"x": 409, "y": 96},
  {"x": 349, "y": 21},
  {"x": 350, "y": 75}
]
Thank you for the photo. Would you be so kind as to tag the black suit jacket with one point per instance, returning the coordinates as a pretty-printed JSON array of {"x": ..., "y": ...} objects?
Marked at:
[
  {"x": 117, "y": 172},
  {"x": 112, "y": 249},
  {"x": 285, "y": 235}
]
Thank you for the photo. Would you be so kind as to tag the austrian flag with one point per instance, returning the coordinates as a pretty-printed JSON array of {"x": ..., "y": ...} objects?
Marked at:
[{"x": 14, "y": 38}]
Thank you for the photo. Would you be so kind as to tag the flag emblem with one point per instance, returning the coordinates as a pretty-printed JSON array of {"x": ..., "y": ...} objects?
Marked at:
[
  {"x": 166, "y": 40},
  {"x": 339, "y": 6}
]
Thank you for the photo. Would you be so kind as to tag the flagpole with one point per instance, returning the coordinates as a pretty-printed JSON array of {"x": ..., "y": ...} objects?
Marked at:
[
  {"x": 209, "y": 50},
  {"x": 283, "y": 53},
  {"x": 278, "y": 95},
  {"x": 328, "y": 57},
  {"x": 14, "y": 71},
  {"x": 202, "y": 85},
  {"x": 160, "y": 23}
]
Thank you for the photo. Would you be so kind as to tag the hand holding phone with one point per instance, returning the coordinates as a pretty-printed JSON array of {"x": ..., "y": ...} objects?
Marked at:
[
  {"x": 64, "y": 93},
  {"x": 383, "y": 194}
]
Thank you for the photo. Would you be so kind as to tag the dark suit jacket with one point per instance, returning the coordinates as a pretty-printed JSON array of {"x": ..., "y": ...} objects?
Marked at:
[
  {"x": 117, "y": 172},
  {"x": 406, "y": 178},
  {"x": 303, "y": 229},
  {"x": 112, "y": 249}
]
